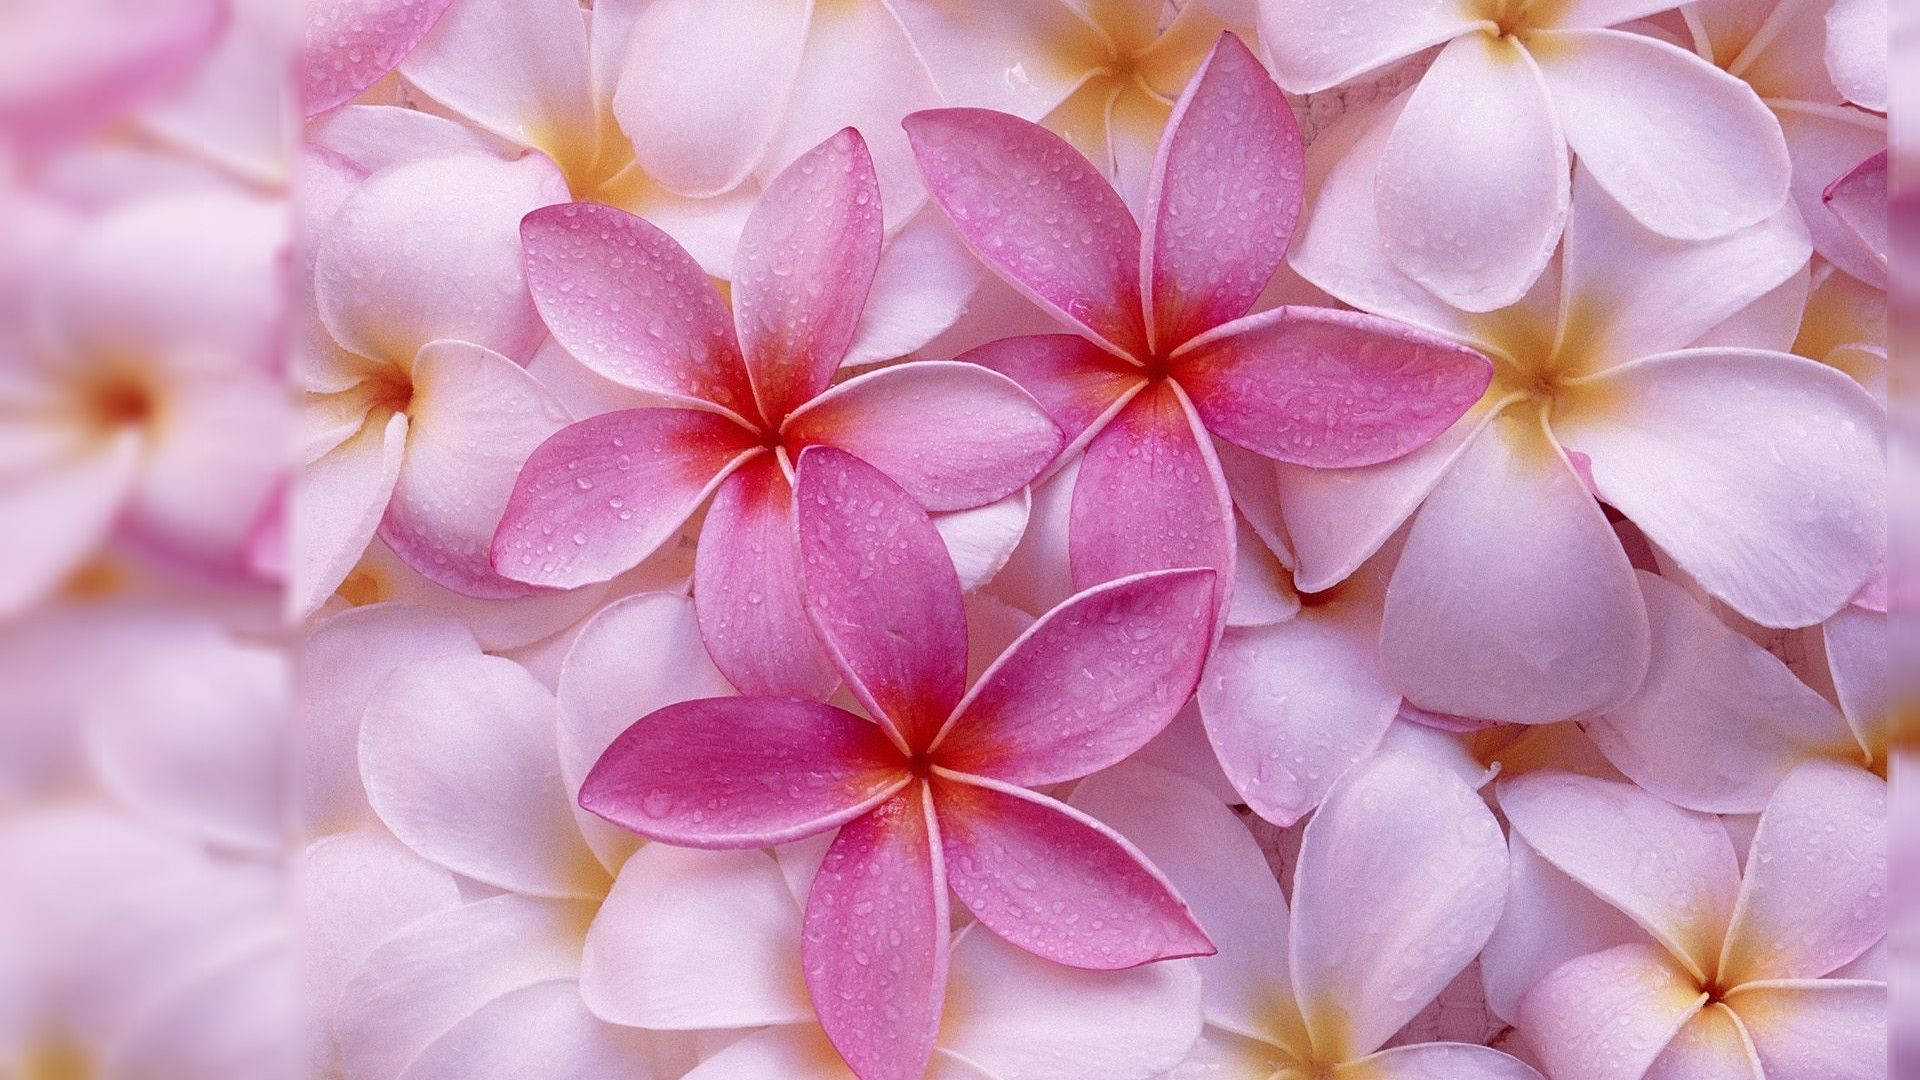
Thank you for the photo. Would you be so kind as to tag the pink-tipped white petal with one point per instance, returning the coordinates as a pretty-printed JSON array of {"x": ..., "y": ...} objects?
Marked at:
[
  {"x": 954, "y": 435},
  {"x": 1348, "y": 39},
  {"x": 1672, "y": 871},
  {"x": 875, "y": 938},
  {"x": 1609, "y": 1015},
  {"x": 1471, "y": 187},
  {"x": 1688, "y": 149},
  {"x": 1401, "y": 877},
  {"x": 1328, "y": 388},
  {"x": 742, "y": 772},
  {"x": 1224, "y": 198},
  {"x": 1056, "y": 882},
  {"x": 806, "y": 260},
  {"x": 600, "y": 496},
  {"x": 351, "y": 44},
  {"x": 1859, "y": 200},
  {"x": 1090, "y": 683},
  {"x": 882, "y": 593},
  {"x": 1040, "y": 215}
]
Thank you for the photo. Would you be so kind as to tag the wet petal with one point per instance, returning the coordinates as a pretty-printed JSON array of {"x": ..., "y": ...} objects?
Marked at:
[
  {"x": 1351, "y": 38},
  {"x": 1608, "y": 1015},
  {"x": 1077, "y": 382}
]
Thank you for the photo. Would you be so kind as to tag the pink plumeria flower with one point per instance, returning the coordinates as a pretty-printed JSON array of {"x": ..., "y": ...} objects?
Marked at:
[
  {"x": 603, "y": 494},
  {"x": 1776, "y": 48},
  {"x": 1162, "y": 359},
  {"x": 1104, "y": 76},
  {"x": 1472, "y": 209},
  {"x": 1401, "y": 877},
  {"x": 1628, "y": 374},
  {"x": 1642, "y": 948},
  {"x": 931, "y": 794},
  {"x": 348, "y": 45}
]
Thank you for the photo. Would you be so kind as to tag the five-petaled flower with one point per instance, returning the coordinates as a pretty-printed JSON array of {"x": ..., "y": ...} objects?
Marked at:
[{"x": 931, "y": 793}]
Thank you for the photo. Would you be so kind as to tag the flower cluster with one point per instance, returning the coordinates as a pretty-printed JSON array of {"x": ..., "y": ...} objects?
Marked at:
[{"x": 896, "y": 539}]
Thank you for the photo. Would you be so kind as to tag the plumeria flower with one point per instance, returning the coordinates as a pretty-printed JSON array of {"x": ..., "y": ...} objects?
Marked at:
[
  {"x": 1102, "y": 75},
  {"x": 1162, "y": 358},
  {"x": 1400, "y": 878},
  {"x": 1714, "y": 971},
  {"x": 1625, "y": 375},
  {"x": 1775, "y": 47},
  {"x": 1471, "y": 184},
  {"x": 603, "y": 494},
  {"x": 932, "y": 793}
]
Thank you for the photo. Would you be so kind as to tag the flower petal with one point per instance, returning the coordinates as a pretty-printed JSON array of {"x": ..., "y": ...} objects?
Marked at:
[
  {"x": 954, "y": 435},
  {"x": 1688, "y": 149},
  {"x": 1351, "y": 37},
  {"x": 882, "y": 593},
  {"x": 543, "y": 1030},
  {"x": 1719, "y": 721},
  {"x": 1549, "y": 625},
  {"x": 1471, "y": 188},
  {"x": 1213, "y": 860},
  {"x": 1040, "y": 215},
  {"x": 1090, "y": 683},
  {"x": 625, "y": 300},
  {"x": 1077, "y": 382},
  {"x": 746, "y": 588},
  {"x": 338, "y": 502},
  {"x": 1022, "y": 59},
  {"x": 1672, "y": 871},
  {"x": 352, "y": 44},
  {"x": 1828, "y": 1028},
  {"x": 1327, "y": 388},
  {"x": 1150, "y": 495},
  {"x": 691, "y": 940},
  {"x": 1401, "y": 877},
  {"x": 1859, "y": 200},
  {"x": 742, "y": 772},
  {"x": 1437, "y": 1061},
  {"x": 1857, "y": 51},
  {"x": 981, "y": 540},
  {"x": 516, "y": 68},
  {"x": 711, "y": 82},
  {"x": 1826, "y": 142},
  {"x": 806, "y": 261},
  {"x": 875, "y": 937},
  {"x": 1857, "y": 657},
  {"x": 1712, "y": 1044},
  {"x": 58, "y": 515},
  {"x": 1814, "y": 897},
  {"x": 925, "y": 282},
  {"x": 1548, "y": 920},
  {"x": 376, "y": 137},
  {"x": 459, "y": 761},
  {"x": 1058, "y": 883},
  {"x": 431, "y": 249},
  {"x": 1608, "y": 1015},
  {"x": 571, "y": 518},
  {"x": 1758, "y": 472},
  {"x": 1224, "y": 197}
]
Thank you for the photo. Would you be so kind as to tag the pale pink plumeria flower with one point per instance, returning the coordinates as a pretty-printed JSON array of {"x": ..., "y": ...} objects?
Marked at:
[
  {"x": 1471, "y": 183},
  {"x": 1104, "y": 75},
  {"x": 1641, "y": 947},
  {"x": 1628, "y": 373},
  {"x": 931, "y": 793},
  {"x": 1164, "y": 356},
  {"x": 1775, "y": 46},
  {"x": 1400, "y": 878},
  {"x": 604, "y": 494}
]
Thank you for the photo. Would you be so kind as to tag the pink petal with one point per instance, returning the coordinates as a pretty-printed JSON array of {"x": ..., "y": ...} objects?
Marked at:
[
  {"x": 74, "y": 66},
  {"x": 602, "y": 495},
  {"x": 1077, "y": 382},
  {"x": 875, "y": 938},
  {"x": 882, "y": 592},
  {"x": 1719, "y": 721},
  {"x": 351, "y": 44},
  {"x": 1825, "y": 1028},
  {"x": 1759, "y": 473},
  {"x": 58, "y": 516},
  {"x": 1401, "y": 877},
  {"x": 806, "y": 261},
  {"x": 1090, "y": 683},
  {"x": 1040, "y": 215},
  {"x": 1328, "y": 388},
  {"x": 746, "y": 588},
  {"x": 1713, "y": 1045},
  {"x": 1608, "y": 1015},
  {"x": 1150, "y": 495},
  {"x": 1549, "y": 624},
  {"x": 742, "y": 772},
  {"x": 625, "y": 300},
  {"x": 1224, "y": 197},
  {"x": 954, "y": 435},
  {"x": 1672, "y": 871},
  {"x": 1815, "y": 893},
  {"x": 1438, "y": 1061},
  {"x": 1824, "y": 143},
  {"x": 1471, "y": 188},
  {"x": 1859, "y": 200},
  {"x": 1056, "y": 882},
  {"x": 1350, "y": 37},
  {"x": 375, "y": 137}
]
